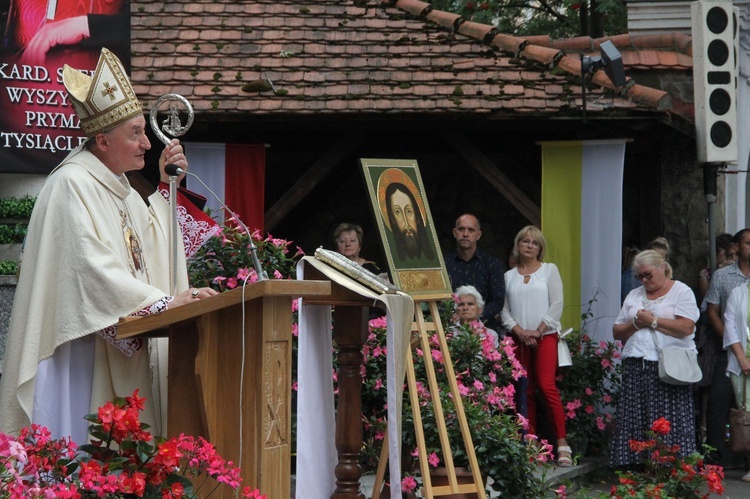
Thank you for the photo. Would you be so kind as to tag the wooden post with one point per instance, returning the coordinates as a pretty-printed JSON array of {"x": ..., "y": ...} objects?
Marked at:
[{"x": 349, "y": 326}]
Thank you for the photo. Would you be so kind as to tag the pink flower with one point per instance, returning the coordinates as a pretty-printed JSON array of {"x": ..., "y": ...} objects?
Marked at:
[
  {"x": 601, "y": 424},
  {"x": 243, "y": 274},
  {"x": 408, "y": 484},
  {"x": 573, "y": 405},
  {"x": 437, "y": 355},
  {"x": 252, "y": 493},
  {"x": 606, "y": 363},
  {"x": 589, "y": 391},
  {"x": 433, "y": 459},
  {"x": 16, "y": 450},
  {"x": 523, "y": 422},
  {"x": 379, "y": 323},
  {"x": 231, "y": 283}
]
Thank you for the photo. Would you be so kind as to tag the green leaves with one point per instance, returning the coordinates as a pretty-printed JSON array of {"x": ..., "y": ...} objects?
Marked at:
[{"x": 12, "y": 207}]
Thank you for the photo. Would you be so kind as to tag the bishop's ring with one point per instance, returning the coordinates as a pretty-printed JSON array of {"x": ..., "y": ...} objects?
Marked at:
[{"x": 195, "y": 293}]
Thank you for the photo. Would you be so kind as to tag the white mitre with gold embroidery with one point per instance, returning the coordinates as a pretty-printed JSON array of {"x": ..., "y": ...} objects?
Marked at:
[{"x": 105, "y": 100}]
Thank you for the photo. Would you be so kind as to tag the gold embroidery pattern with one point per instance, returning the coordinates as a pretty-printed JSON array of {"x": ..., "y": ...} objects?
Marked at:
[{"x": 135, "y": 260}]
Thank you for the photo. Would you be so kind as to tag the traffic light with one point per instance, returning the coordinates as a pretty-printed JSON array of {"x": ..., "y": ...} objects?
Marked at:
[{"x": 714, "y": 25}]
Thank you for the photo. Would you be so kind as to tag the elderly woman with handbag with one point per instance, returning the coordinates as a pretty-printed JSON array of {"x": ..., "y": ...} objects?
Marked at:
[{"x": 660, "y": 314}]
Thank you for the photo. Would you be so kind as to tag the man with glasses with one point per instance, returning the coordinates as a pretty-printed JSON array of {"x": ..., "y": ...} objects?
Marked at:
[
  {"x": 470, "y": 266},
  {"x": 723, "y": 281}
]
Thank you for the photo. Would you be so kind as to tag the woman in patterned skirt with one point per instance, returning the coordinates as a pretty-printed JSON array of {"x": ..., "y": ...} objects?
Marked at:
[{"x": 668, "y": 308}]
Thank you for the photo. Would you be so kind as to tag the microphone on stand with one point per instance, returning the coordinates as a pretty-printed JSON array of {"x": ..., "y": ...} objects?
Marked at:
[{"x": 173, "y": 171}]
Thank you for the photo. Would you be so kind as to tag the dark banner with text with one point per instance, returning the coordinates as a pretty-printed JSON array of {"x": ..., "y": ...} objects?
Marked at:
[{"x": 38, "y": 126}]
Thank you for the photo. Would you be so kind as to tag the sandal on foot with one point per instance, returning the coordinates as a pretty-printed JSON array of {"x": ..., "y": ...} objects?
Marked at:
[{"x": 564, "y": 460}]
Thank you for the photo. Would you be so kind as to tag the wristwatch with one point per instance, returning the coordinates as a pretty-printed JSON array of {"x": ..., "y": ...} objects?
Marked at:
[{"x": 654, "y": 324}]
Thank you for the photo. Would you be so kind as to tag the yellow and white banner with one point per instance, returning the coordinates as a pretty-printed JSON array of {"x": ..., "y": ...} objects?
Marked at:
[{"x": 582, "y": 223}]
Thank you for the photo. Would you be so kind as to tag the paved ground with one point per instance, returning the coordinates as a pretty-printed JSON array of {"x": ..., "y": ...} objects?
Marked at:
[{"x": 734, "y": 488}]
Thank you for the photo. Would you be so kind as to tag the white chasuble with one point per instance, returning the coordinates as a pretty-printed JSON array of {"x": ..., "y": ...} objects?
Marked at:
[{"x": 95, "y": 252}]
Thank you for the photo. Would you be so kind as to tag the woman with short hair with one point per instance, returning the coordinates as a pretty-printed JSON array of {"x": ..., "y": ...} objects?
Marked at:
[
  {"x": 348, "y": 240},
  {"x": 469, "y": 308}
]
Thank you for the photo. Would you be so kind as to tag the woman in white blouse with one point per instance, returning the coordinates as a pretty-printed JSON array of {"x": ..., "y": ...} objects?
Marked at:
[
  {"x": 661, "y": 313},
  {"x": 735, "y": 342},
  {"x": 532, "y": 310}
]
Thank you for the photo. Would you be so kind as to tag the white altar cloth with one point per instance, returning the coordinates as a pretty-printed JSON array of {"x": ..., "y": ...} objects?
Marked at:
[{"x": 316, "y": 423}]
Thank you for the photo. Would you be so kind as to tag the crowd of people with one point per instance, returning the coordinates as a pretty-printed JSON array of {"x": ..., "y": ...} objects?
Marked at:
[
  {"x": 116, "y": 241},
  {"x": 526, "y": 302}
]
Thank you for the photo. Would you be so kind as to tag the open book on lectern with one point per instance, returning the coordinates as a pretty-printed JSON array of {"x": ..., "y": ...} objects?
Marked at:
[{"x": 353, "y": 270}]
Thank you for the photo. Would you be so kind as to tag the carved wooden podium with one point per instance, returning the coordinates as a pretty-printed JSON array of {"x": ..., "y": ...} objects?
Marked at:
[{"x": 240, "y": 403}]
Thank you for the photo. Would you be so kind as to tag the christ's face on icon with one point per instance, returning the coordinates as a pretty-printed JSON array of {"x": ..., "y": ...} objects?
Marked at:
[{"x": 403, "y": 211}]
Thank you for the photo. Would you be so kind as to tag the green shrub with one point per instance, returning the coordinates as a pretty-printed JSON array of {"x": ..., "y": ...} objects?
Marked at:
[
  {"x": 10, "y": 234},
  {"x": 8, "y": 267},
  {"x": 12, "y": 207}
]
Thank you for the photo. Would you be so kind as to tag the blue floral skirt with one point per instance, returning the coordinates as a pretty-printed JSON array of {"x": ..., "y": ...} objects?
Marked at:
[{"x": 643, "y": 400}]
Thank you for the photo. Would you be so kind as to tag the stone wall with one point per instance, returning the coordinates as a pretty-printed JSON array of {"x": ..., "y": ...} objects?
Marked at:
[{"x": 684, "y": 213}]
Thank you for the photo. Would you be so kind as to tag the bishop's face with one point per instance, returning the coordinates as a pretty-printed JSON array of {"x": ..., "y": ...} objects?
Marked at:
[{"x": 124, "y": 148}]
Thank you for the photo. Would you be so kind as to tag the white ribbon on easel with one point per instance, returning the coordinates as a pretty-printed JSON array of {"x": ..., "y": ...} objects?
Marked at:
[{"x": 316, "y": 422}]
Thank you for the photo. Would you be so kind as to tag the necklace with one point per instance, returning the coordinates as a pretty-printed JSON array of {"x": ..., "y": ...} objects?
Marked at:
[{"x": 136, "y": 263}]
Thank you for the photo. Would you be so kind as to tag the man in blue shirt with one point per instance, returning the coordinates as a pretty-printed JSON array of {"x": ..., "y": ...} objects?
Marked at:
[{"x": 470, "y": 266}]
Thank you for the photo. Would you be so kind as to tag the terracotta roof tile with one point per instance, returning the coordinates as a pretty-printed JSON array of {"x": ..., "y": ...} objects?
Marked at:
[{"x": 332, "y": 56}]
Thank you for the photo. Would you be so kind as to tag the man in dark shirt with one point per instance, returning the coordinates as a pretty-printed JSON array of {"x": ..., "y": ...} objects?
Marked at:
[{"x": 469, "y": 265}]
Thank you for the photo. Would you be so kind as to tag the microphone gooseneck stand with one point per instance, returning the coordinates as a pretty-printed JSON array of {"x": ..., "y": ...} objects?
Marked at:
[{"x": 173, "y": 171}]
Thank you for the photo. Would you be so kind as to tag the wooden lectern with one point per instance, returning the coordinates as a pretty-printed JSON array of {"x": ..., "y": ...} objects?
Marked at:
[{"x": 210, "y": 378}]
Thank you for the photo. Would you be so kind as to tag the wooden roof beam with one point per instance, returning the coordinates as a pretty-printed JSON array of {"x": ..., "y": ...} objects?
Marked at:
[{"x": 495, "y": 177}]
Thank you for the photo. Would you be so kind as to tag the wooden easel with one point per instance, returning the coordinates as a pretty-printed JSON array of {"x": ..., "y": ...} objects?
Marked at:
[{"x": 423, "y": 332}]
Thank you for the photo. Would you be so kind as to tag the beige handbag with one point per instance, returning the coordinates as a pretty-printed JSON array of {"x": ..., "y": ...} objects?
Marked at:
[{"x": 739, "y": 425}]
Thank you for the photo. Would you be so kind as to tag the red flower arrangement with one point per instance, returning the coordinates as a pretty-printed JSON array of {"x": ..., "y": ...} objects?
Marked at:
[
  {"x": 122, "y": 461},
  {"x": 666, "y": 474}
]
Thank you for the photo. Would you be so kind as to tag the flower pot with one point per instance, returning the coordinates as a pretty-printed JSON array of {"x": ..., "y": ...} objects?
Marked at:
[
  {"x": 386, "y": 493},
  {"x": 580, "y": 446},
  {"x": 439, "y": 476}
]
